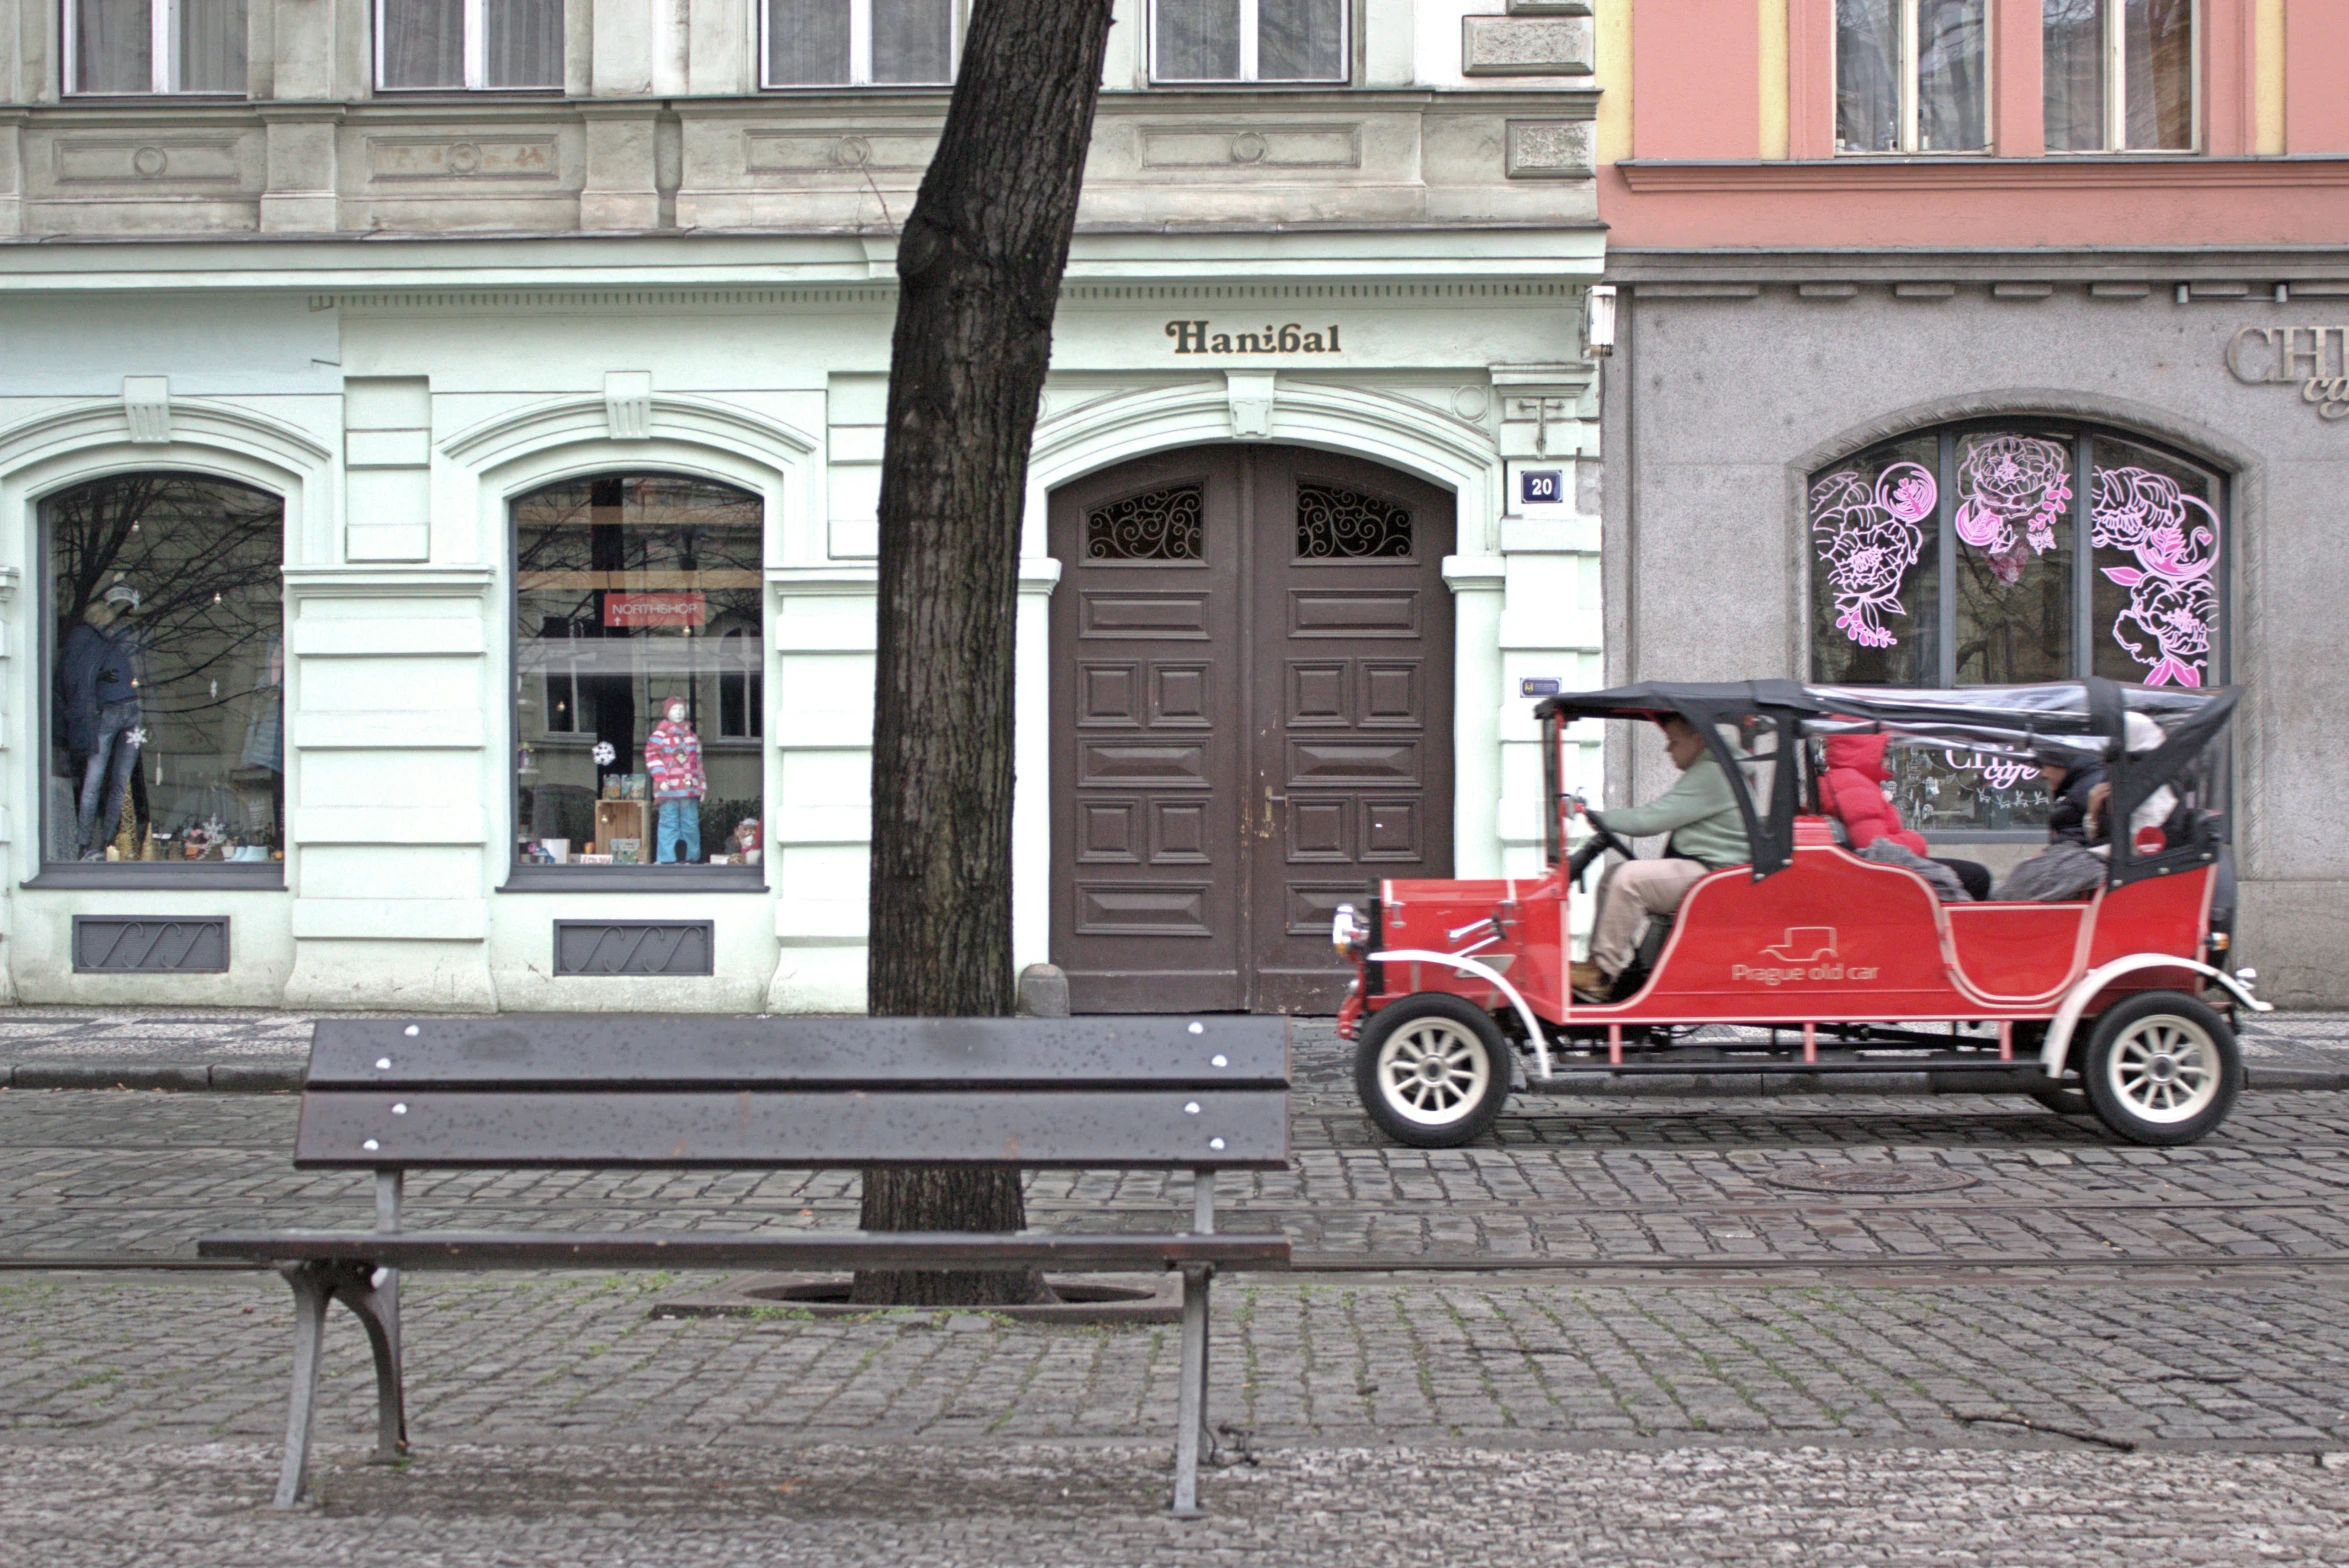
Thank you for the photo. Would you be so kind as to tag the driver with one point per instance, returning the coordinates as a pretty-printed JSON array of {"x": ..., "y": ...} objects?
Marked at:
[{"x": 1707, "y": 834}]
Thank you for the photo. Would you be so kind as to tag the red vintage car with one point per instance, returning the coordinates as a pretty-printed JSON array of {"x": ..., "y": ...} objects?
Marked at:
[{"x": 2115, "y": 997}]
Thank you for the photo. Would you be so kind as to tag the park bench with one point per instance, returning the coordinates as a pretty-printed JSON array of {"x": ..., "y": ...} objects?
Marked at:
[{"x": 631, "y": 1093}]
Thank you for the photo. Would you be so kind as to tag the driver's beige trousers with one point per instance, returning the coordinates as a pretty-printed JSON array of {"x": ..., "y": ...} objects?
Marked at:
[{"x": 1631, "y": 891}]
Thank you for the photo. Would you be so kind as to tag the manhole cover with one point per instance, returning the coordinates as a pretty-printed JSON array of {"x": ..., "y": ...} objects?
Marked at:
[{"x": 1871, "y": 1178}]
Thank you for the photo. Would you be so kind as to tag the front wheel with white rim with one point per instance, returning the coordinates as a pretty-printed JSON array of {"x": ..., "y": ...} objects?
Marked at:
[
  {"x": 2162, "y": 1068},
  {"x": 1432, "y": 1071}
]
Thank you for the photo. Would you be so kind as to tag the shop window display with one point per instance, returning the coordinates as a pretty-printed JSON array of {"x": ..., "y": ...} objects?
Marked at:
[
  {"x": 2008, "y": 552},
  {"x": 639, "y": 668},
  {"x": 166, "y": 672}
]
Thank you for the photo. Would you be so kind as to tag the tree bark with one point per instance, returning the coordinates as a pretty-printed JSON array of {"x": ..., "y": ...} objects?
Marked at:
[{"x": 978, "y": 268}]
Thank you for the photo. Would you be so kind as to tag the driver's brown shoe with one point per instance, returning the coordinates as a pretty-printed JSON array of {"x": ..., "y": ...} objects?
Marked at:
[{"x": 1590, "y": 984}]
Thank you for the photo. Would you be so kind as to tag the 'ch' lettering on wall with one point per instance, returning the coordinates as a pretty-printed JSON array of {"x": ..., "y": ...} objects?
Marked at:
[
  {"x": 1195, "y": 337},
  {"x": 2316, "y": 358}
]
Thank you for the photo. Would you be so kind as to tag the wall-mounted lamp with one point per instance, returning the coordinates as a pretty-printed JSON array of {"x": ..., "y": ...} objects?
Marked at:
[{"x": 1598, "y": 320}]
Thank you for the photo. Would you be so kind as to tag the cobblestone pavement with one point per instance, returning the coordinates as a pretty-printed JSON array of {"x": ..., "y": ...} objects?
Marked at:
[
  {"x": 1098, "y": 1508},
  {"x": 196, "y": 1040},
  {"x": 1590, "y": 1183},
  {"x": 1630, "y": 1330},
  {"x": 1059, "y": 1506}
]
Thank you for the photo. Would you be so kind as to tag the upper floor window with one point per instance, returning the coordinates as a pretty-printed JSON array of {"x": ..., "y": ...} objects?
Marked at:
[
  {"x": 468, "y": 44},
  {"x": 1911, "y": 76},
  {"x": 1248, "y": 40},
  {"x": 858, "y": 43},
  {"x": 2118, "y": 75},
  {"x": 155, "y": 46}
]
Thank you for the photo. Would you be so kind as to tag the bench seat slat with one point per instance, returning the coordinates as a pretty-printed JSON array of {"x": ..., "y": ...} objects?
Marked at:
[
  {"x": 452, "y": 1250},
  {"x": 586, "y": 1051},
  {"x": 1169, "y": 1129}
]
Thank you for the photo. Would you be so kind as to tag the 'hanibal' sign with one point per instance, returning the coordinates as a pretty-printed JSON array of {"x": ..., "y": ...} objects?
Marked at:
[
  {"x": 2317, "y": 358},
  {"x": 1194, "y": 337}
]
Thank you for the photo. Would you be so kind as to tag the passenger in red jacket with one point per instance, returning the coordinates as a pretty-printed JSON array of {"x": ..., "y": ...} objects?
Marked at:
[{"x": 1853, "y": 793}]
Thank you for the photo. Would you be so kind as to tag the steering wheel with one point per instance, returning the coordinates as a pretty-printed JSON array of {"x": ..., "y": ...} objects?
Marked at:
[{"x": 1601, "y": 841}]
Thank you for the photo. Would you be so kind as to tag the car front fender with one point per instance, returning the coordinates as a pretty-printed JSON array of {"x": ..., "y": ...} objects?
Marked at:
[{"x": 1500, "y": 982}]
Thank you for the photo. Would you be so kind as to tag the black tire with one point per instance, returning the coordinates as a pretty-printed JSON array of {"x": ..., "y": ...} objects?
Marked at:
[
  {"x": 2162, "y": 1069},
  {"x": 2066, "y": 1101},
  {"x": 1432, "y": 1070}
]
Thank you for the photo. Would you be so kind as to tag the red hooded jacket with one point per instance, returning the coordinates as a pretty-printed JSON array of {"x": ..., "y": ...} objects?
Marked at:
[{"x": 1852, "y": 792}]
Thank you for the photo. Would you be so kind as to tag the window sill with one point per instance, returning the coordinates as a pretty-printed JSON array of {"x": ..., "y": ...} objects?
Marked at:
[
  {"x": 149, "y": 876},
  {"x": 636, "y": 879}
]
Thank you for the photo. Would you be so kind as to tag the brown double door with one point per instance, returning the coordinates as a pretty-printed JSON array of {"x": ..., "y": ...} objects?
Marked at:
[{"x": 1252, "y": 718}]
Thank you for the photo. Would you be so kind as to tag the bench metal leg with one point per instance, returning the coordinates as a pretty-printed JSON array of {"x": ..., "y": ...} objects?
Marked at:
[
  {"x": 316, "y": 1287},
  {"x": 378, "y": 1308},
  {"x": 1191, "y": 1415},
  {"x": 312, "y": 1291}
]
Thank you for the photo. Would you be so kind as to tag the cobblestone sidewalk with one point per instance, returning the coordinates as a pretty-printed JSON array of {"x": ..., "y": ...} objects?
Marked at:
[
  {"x": 84, "y": 1048},
  {"x": 470, "y": 1506},
  {"x": 1497, "y": 1361}
]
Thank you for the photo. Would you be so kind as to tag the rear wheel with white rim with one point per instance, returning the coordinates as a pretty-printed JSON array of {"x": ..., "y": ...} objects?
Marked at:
[
  {"x": 2162, "y": 1068},
  {"x": 1432, "y": 1071}
]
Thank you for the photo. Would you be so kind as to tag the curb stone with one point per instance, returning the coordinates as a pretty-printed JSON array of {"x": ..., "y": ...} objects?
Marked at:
[{"x": 250, "y": 1077}]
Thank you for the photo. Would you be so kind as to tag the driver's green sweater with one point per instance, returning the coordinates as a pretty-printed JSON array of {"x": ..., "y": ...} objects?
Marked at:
[{"x": 1699, "y": 811}]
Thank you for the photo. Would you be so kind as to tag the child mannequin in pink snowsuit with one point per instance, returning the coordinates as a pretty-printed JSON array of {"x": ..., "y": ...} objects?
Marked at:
[{"x": 672, "y": 755}]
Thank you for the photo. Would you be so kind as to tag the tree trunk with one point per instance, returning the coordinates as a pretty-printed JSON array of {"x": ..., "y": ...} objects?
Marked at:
[{"x": 978, "y": 270}]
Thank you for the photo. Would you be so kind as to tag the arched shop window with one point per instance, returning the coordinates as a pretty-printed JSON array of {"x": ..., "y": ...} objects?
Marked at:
[
  {"x": 2013, "y": 551},
  {"x": 166, "y": 672},
  {"x": 638, "y": 649}
]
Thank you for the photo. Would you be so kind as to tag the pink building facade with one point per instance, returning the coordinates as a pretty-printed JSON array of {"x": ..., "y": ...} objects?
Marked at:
[{"x": 1967, "y": 341}]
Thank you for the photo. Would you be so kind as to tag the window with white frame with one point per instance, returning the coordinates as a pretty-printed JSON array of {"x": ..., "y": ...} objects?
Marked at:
[
  {"x": 468, "y": 44},
  {"x": 1911, "y": 76},
  {"x": 1248, "y": 40},
  {"x": 155, "y": 46},
  {"x": 2118, "y": 75},
  {"x": 858, "y": 43}
]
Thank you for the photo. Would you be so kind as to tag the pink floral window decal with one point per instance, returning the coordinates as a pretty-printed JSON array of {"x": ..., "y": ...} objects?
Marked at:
[
  {"x": 2011, "y": 483},
  {"x": 1869, "y": 536},
  {"x": 2173, "y": 604}
]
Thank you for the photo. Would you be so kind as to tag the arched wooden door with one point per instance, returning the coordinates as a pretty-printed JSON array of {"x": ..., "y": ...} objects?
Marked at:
[{"x": 1252, "y": 718}]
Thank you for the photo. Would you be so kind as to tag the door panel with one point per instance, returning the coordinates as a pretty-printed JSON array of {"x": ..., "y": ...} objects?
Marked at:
[
  {"x": 1352, "y": 748},
  {"x": 1251, "y": 708}
]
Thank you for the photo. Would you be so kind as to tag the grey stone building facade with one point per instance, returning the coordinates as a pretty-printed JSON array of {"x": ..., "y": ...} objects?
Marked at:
[{"x": 1951, "y": 467}]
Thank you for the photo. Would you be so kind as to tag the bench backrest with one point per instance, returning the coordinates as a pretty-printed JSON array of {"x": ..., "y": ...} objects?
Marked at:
[{"x": 796, "y": 1093}]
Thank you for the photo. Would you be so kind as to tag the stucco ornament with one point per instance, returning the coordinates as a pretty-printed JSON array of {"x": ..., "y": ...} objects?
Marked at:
[
  {"x": 1869, "y": 537},
  {"x": 2006, "y": 483},
  {"x": 2174, "y": 537}
]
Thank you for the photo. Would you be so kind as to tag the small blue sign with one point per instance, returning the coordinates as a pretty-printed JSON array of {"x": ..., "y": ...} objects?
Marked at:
[
  {"x": 1541, "y": 486},
  {"x": 1538, "y": 686}
]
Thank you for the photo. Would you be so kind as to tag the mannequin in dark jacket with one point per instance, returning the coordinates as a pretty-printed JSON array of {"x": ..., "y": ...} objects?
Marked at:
[{"x": 98, "y": 671}]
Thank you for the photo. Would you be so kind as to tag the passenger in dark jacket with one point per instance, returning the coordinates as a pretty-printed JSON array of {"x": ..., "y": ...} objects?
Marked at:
[{"x": 2072, "y": 817}]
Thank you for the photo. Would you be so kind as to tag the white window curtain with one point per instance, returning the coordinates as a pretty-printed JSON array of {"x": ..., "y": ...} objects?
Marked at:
[
  {"x": 155, "y": 46},
  {"x": 1248, "y": 40},
  {"x": 469, "y": 44},
  {"x": 859, "y": 43}
]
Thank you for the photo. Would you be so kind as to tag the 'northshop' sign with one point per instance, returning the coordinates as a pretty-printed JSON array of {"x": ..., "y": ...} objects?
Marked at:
[{"x": 1197, "y": 337}]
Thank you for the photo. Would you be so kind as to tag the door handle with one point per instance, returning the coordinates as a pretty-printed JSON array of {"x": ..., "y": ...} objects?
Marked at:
[{"x": 1269, "y": 799}]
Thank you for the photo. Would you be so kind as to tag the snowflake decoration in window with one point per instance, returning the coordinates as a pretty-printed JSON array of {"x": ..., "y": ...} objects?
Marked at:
[
  {"x": 605, "y": 754},
  {"x": 1869, "y": 537}
]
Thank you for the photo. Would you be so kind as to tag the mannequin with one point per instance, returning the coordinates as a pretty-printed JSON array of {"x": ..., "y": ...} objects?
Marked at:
[
  {"x": 672, "y": 755},
  {"x": 100, "y": 670}
]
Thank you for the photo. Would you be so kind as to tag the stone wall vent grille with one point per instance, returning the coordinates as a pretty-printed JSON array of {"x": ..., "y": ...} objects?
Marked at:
[
  {"x": 149, "y": 945},
  {"x": 635, "y": 947}
]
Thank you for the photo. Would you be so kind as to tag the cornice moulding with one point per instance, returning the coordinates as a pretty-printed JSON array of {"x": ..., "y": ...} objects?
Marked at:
[{"x": 1830, "y": 176}]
